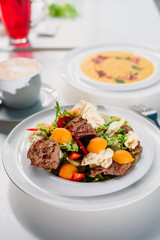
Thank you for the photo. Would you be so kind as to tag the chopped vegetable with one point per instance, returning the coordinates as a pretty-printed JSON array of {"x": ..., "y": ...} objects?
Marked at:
[
  {"x": 32, "y": 129},
  {"x": 121, "y": 131},
  {"x": 82, "y": 147},
  {"x": 137, "y": 68},
  {"x": 44, "y": 127},
  {"x": 118, "y": 58},
  {"x": 96, "y": 145},
  {"x": 76, "y": 162},
  {"x": 71, "y": 146},
  {"x": 61, "y": 135},
  {"x": 67, "y": 171},
  {"x": 74, "y": 112},
  {"x": 60, "y": 114},
  {"x": 117, "y": 139},
  {"x": 122, "y": 157},
  {"x": 98, "y": 177},
  {"x": 63, "y": 121},
  {"x": 106, "y": 126},
  {"x": 119, "y": 80},
  {"x": 77, "y": 177},
  {"x": 75, "y": 155}
]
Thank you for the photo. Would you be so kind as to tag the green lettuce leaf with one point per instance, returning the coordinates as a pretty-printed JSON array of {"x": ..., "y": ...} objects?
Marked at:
[{"x": 71, "y": 146}]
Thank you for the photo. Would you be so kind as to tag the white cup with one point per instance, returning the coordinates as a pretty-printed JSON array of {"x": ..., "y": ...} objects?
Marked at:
[{"x": 20, "y": 82}]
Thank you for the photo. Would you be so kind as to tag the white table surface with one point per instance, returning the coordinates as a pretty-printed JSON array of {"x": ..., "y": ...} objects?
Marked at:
[{"x": 22, "y": 217}]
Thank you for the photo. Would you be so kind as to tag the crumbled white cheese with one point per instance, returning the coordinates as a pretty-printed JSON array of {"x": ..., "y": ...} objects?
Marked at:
[
  {"x": 114, "y": 126},
  {"x": 132, "y": 140},
  {"x": 103, "y": 159},
  {"x": 107, "y": 118},
  {"x": 89, "y": 112},
  {"x": 36, "y": 136}
]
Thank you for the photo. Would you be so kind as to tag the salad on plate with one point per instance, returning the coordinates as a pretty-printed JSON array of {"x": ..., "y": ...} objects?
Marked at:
[{"x": 84, "y": 145}]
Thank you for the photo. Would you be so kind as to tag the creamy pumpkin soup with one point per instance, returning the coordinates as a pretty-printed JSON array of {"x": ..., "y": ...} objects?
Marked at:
[{"x": 117, "y": 67}]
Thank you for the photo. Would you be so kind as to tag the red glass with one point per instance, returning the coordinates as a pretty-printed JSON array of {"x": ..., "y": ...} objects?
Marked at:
[{"x": 16, "y": 15}]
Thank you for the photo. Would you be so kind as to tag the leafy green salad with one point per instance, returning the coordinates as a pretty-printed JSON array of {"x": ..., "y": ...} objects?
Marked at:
[{"x": 84, "y": 145}]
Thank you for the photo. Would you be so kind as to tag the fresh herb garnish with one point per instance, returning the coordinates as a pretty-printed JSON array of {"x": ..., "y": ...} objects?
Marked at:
[
  {"x": 119, "y": 80},
  {"x": 60, "y": 114},
  {"x": 118, "y": 57},
  {"x": 57, "y": 111},
  {"x": 137, "y": 68},
  {"x": 64, "y": 10},
  {"x": 125, "y": 58}
]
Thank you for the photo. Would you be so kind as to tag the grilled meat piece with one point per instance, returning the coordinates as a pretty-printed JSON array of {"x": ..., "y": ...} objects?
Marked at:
[
  {"x": 127, "y": 128},
  {"x": 44, "y": 154},
  {"x": 136, "y": 151},
  {"x": 79, "y": 128},
  {"x": 115, "y": 169}
]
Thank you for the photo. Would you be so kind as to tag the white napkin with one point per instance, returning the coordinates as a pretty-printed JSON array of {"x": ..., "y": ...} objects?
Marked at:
[{"x": 47, "y": 28}]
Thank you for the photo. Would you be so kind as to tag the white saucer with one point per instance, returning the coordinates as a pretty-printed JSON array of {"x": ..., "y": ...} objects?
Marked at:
[{"x": 47, "y": 99}]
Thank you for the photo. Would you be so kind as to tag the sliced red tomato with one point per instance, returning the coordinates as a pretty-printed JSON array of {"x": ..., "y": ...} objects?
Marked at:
[
  {"x": 63, "y": 121},
  {"x": 82, "y": 147},
  {"x": 75, "y": 155},
  {"x": 77, "y": 177},
  {"x": 32, "y": 129}
]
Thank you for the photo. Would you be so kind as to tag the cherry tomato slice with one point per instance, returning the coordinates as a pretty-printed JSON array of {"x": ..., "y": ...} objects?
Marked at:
[
  {"x": 77, "y": 177},
  {"x": 75, "y": 155}
]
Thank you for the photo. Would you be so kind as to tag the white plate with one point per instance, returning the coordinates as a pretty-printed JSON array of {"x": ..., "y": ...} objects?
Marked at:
[
  {"x": 53, "y": 184},
  {"x": 44, "y": 186},
  {"x": 71, "y": 73},
  {"x": 47, "y": 99}
]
